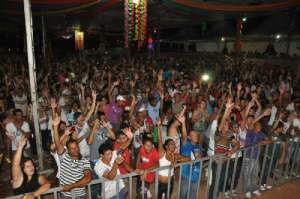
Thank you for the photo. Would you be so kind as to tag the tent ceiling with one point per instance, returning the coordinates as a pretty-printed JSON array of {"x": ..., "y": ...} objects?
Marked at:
[{"x": 98, "y": 16}]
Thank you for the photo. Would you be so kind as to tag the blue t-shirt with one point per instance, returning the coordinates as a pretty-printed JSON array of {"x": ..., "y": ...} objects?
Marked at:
[
  {"x": 252, "y": 139},
  {"x": 209, "y": 108},
  {"x": 189, "y": 150}
]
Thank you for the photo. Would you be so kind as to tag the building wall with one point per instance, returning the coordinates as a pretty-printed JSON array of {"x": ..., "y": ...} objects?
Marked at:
[{"x": 247, "y": 46}]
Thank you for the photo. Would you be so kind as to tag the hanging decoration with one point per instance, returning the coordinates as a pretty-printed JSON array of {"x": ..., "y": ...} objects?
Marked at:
[
  {"x": 135, "y": 21},
  {"x": 79, "y": 40},
  {"x": 126, "y": 16}
]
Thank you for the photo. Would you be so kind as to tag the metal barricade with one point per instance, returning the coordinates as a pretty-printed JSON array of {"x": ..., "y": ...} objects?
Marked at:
[{"x": 210, "y": 177}]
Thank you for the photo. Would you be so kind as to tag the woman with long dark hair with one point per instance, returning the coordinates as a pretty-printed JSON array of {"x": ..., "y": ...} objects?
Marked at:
[
  {"x": 25, "y": 178},
  {"x": 168, "y": 157}
]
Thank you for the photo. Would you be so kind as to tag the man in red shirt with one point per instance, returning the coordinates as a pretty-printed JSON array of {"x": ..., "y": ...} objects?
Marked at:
[{"x": 147, "y": 160}]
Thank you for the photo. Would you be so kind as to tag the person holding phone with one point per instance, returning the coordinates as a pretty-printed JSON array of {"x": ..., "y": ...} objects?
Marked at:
[{"x": 107, "y": 167}]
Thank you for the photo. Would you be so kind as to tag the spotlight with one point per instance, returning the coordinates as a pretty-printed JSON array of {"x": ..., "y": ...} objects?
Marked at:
[
  {"x": 223, "y": 39},
  {"x": 205, "y": 77},
  {"x": 244, "y": 19},
  {"x": 278, "y": 36}
]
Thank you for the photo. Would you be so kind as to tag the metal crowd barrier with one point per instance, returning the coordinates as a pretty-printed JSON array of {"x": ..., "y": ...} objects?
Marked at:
[{"x": 215, "y": 174}]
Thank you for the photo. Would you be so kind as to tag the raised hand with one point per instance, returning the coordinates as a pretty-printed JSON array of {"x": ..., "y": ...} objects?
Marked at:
[
  {"x": 119, "y": 160},
  {"x": 132, "y": 83},
  {"x": 161, "y": 94},
  {"x": 181, "y": 118},
  {"x": 281, "y": 88},
  {"x": 81, "y": 87},
  {"x": 68, "y": 131},
  {"x": 23, "y": 141},
  {"x": 229, "y": 104},
  {"x": 158, "y": 122},
  {"x": 116, "y": 83},
  {"x": 94, "y": 94},
  {"x": 267, "y": 112},
  {"x": 239, "y": 86},
  {"x": 127, "y": 132},
  {"x": 104, "y": 124},
  {"x": 254, "y": 95},
  {"x": 56, "y": 120},
  {"x": 53, "y": 103}
]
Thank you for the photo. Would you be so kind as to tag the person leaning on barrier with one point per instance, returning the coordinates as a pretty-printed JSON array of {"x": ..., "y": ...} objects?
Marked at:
[
  {"x": 167, "y": 158},
  {"x": 147, "y": 160},
  {"x": 107, "y": 167},
  {"x": 75, "y": 171},
  {"x": 190, "y": 149},
  {"x": 251, "y": 165},
  {"x": 25, "y": 178},
  {"x": 226, "y": 145}
]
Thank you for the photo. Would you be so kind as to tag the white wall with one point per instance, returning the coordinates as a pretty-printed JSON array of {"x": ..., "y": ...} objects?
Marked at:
[{"x": 247, "y": 46}]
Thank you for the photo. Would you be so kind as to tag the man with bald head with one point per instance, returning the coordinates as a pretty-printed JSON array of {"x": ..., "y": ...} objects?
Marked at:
[{"x": 190, "y": 148}]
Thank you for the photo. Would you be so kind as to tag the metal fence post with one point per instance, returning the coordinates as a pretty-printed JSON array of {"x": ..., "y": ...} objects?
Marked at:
[
  {"x": 271, "y": 163},
  {"x": 156, "y": 185},
  {"x": 199, "y": 180},
  {"x": 209, "y": 177},
  {"x": 143, "y": 189},
  {"x": 190, "y": 180},
  {"x": 118, "y": 189},
  {"x": 89, "y": 192},
  {"x": 55, "y": 195},
  {"x": 234, "y": 171},
  {"x": 263, "y": 165},
  {"x": 225, "y": 177},
  {"x": 219, "y": 169},
  {"x": 288, "y": 158},
  {"x": 169, "y": 180},
  {"x": 103, "y": 189},
  {"x": 295, "y": 159},
  {"x": 179, "y": 182},
  {"x": 130, "y": 187}
]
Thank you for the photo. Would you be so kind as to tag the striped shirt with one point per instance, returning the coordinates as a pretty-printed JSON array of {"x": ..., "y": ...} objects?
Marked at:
[{"x": 71, "y": 171}]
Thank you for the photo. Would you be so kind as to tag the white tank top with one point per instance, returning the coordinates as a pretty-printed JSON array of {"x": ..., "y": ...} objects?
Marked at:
[{"x": 165, "y": 162}]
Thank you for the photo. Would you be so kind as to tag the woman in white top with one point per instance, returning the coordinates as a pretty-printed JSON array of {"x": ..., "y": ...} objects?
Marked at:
[
  {"x": 173, "y": 129},
  {"x": 107, "y": 168},
  {"x": 168, "y": 157}
]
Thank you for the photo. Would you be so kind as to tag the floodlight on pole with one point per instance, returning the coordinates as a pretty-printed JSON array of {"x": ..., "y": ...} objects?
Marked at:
[
  {"x": 278, "y": 36},
  {"x": 244, "y": 19}
]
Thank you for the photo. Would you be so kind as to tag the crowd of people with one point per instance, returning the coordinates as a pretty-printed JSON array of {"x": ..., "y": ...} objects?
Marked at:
[{"x": 101, "y": 117}]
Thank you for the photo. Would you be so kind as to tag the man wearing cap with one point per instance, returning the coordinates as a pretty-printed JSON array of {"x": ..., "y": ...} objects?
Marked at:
[{"x": 114, "y": 110}]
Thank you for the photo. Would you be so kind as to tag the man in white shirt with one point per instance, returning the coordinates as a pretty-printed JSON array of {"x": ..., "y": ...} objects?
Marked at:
[
  {"x": 20, "y": 100},
  {"x": 15, "y": 130},
  {"x": 107, "y": 168}
]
